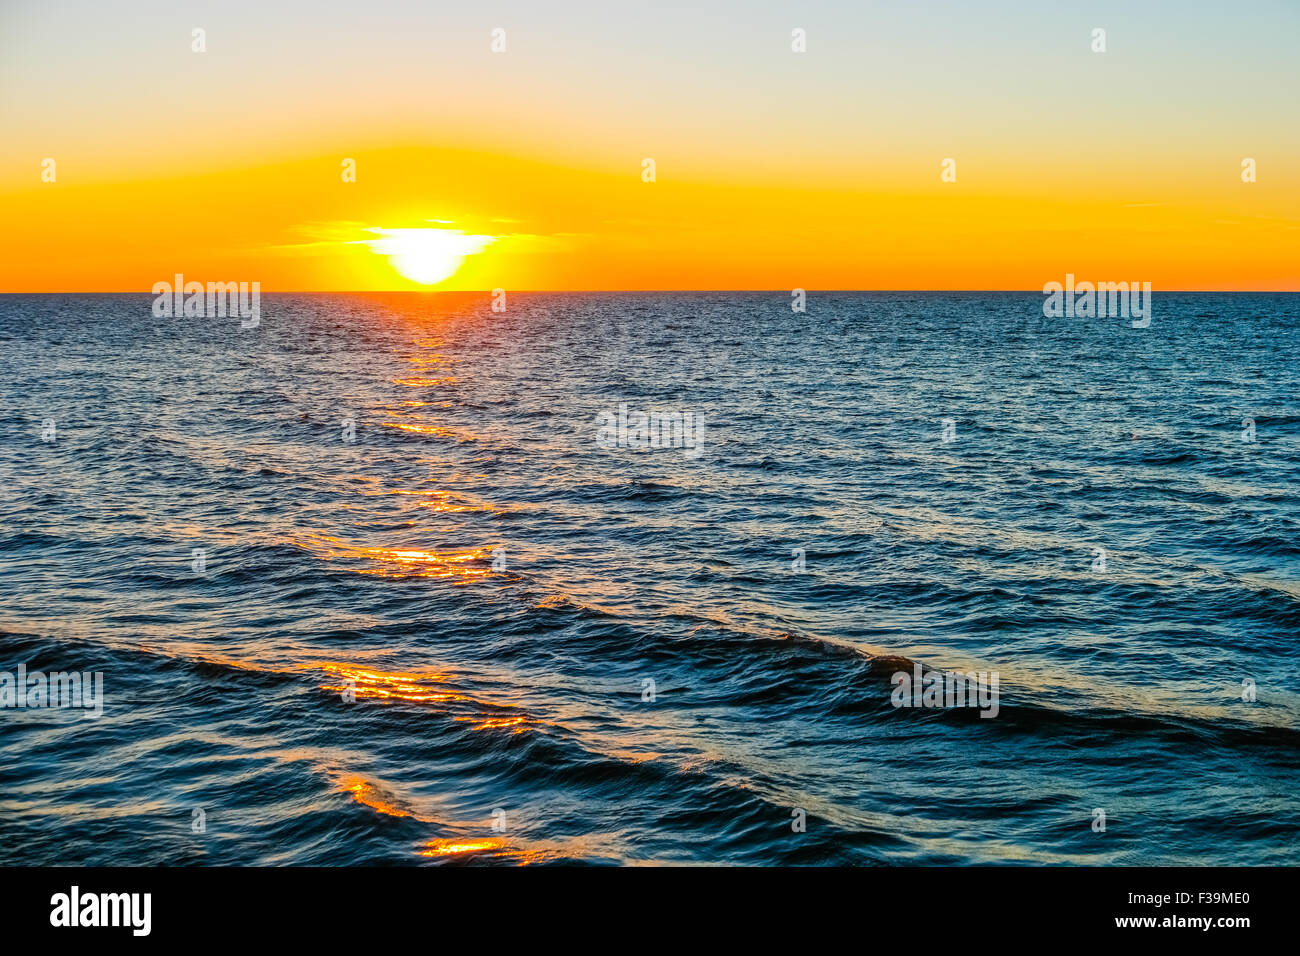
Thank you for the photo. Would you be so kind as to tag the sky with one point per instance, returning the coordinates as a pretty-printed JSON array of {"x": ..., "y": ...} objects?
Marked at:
[{"x": 525, "y": 169}]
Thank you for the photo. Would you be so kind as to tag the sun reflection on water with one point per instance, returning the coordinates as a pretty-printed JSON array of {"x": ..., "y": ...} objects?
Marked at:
[
  {"x": 364, "y": 792},
  {"x": 454, "y": 845},
  {"x": 430, "y": 688},
  {"x": 459, "y": 566}
]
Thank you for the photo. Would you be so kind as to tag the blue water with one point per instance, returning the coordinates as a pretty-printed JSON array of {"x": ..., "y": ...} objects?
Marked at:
[{"x": 496, "y": 589}]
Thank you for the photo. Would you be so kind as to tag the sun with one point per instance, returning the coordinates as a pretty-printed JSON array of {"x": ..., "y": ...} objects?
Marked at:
[{"x": 427, "y": 256}]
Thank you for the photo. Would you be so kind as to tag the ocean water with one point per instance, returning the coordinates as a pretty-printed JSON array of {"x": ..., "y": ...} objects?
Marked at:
[{"x": 434, "y": 643}]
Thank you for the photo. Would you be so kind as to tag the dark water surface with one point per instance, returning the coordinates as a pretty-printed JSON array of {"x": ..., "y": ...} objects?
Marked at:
[{"x": 370, "y": 564}]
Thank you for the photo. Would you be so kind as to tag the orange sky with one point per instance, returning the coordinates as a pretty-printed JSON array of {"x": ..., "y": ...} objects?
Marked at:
[{"x": 774, "y": 170}]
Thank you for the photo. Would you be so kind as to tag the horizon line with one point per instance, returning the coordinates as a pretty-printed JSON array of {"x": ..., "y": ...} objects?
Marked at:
[{"x": 489, "y": 292}]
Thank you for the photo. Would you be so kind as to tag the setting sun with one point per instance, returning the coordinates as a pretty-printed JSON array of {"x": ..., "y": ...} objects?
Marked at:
[{"x": 427, "y": 256}]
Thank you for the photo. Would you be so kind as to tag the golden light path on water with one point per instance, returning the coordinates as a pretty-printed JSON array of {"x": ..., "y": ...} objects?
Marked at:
[
  {"x": 461, "y": 566},
  {"x": 429, "y": 688},
  {"x": 432, "y": 689},
  {"x": 441, "y": 693},
  {"x": 436, "y": 690}
]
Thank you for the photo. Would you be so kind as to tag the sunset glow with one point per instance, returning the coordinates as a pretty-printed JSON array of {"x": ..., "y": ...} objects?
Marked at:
[{"x": 451, "y": 167}]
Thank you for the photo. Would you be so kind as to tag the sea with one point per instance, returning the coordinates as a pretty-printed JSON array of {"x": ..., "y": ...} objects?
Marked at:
[{"x": 650, "y": 578}]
